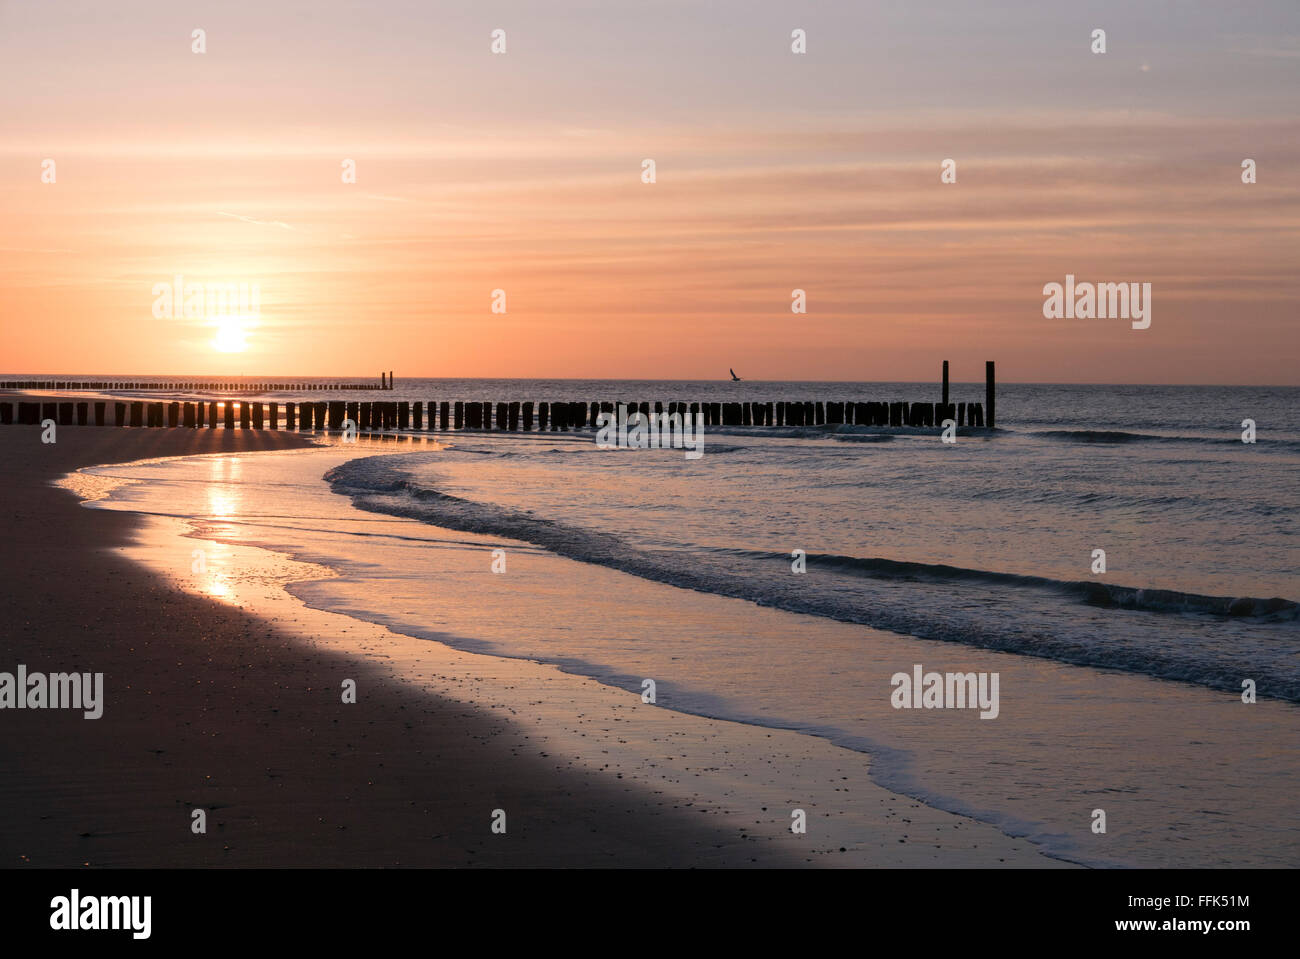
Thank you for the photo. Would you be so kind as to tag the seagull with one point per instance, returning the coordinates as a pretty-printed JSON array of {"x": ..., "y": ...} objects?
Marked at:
[{"x": 734, "y": 377}]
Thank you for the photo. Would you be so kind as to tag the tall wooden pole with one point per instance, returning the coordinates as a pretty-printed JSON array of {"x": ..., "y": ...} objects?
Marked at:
[{"x": 988, "y": 392}]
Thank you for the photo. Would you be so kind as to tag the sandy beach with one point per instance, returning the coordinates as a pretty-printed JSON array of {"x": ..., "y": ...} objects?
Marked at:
[{"x": 210, "y": 705}]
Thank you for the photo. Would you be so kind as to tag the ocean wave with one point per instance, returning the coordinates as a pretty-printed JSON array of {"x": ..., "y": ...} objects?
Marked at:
[
  {"x": 1091, "y": 592},
  {"x": 936, "y": 605},
  {"x": 1117, "y": 437}
]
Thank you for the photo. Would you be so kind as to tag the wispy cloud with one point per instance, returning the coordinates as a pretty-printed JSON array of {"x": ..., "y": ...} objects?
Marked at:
[{"x": 250, "y": 219}]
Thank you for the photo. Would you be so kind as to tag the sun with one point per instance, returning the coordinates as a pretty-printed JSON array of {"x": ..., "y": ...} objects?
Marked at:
[{"x": 231, "y": 336}]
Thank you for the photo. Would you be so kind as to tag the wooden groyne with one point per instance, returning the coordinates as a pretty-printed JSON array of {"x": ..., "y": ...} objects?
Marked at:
[
  {"x": 376, "y": 416},
  {"x": 192, "y": 386}
]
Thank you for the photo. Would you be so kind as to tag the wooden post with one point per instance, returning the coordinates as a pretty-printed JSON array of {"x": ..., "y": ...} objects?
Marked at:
[
  {"x": 528, "y": 416},
  {"x": 119, "y": 414},
  {"x": 354, "y": 413},
  {"x": 543, "y": 412},
  {"x": 83, "y": 413},
  {"x": 460, "y": 414},
  {"x": 404, "y": 415},
  {"x": 99, "y": 413},
  {"x": 273, "y": 415},
  {"x": 417, "y": 415},
  {"x": 137, "y": 413},
  {"x": 503, "y": 414},
  {"x": 945, "y": 382},
  {"x": 443, "y": 409},
  {"x": 259, "y": 421},
  {"x": 244, "y": 415},
  {"x": 291, "y": 416},
  {"x": 230, "y": 415},
  {"x": 173, "y": 414},
  {"x": 988, "y": 391},
  {"x": 7, "y": 413}
]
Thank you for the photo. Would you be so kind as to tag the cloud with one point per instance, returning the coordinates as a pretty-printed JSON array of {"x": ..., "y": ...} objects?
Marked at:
[{"x": 249, "y": 219}]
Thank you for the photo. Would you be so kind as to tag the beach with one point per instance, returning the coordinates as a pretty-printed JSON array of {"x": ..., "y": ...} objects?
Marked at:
[{"x": 233, "y": 705}]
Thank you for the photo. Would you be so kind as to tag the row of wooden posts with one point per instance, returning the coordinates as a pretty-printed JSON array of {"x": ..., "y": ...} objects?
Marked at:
[
  {"x": 246, "y": 389},
  {"x": 381, "y": 416}
]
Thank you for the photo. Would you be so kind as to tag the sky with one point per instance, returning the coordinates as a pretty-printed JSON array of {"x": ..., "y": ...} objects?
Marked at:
[{"x": 522, "y": 172}]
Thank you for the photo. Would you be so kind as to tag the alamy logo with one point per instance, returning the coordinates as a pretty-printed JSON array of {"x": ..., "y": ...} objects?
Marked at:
[
  {"x": 82, "y": 691},
  {"x": 946, "y": 691},
  {"x": 658, "y": 431},
  {"x": 197, "y": 301},
  {"x": 1102, "y": 301},
  {"x": 102, "y": 912}
]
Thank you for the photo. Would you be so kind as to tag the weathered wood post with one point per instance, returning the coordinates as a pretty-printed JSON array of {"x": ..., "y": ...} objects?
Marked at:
[
  {"x": 273, "y": 415},
  {"x": 188, "y": 420},
  {"x": 460, "y": 414},
  {"x": 119, "y": 414},
  {"x": 945, "y": 382},
  {"x": 173, "y": 414},
  {"x": 291, "y": 416},
  {"x": 137, "y": 413},
  {"x": 6, "y": 413},
  {"x": 443, "y": 408},
  {"x": 543, "y": 412},
  {"x": 503, "y": 414},
  {"x": 230, "y": 415},
  {"x": 528, "y": 416},
  {"x": 988, "y": 390},
  {"x": 404, "y": 415},
  {"x": 354, "y": 413},
  {"x": 514, "y": 416},
  {"x": 259, "y": 420},
  {"x": 99, "y": 413},
  {"x": 417, "y": 415},
  {"x": 83, "y": 413}
]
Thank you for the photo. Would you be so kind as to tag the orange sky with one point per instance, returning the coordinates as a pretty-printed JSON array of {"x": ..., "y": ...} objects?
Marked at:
[{"x": 478, "y": 172}]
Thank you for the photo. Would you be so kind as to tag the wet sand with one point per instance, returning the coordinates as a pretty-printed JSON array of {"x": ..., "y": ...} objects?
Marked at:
[{"x": 209, "y": 705}]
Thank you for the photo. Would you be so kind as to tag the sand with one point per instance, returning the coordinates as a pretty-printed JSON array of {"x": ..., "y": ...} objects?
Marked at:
[{"x": 234, "y": 707}]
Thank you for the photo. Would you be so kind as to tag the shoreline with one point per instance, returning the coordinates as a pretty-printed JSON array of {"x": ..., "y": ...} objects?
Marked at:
[{"x": 288, "y": 776}]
